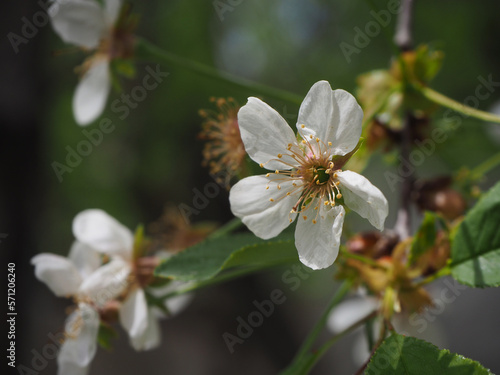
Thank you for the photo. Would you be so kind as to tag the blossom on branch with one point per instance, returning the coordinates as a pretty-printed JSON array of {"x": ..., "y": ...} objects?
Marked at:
[
  {"x": 307, "y": 177},
  {"x": 93, "y": 27}
]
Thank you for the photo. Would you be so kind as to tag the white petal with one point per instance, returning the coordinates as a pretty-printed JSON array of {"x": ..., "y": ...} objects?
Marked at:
[
  {"x": 80, "y": 345},
  {"x": 364, "y": 198},
  {"x": 107, "y": 282},
  {"x": 92, "y": 92},
  {"x": 79, "y": 22},
  {"x": 102, "y": 232},
  {"x": 151, "y": 337},
  {"x": 351, "y": 311},
  {"x": 134, "y": 314},
  {"x": 112, "y": 9},
  {"x": 318, "y": 244},
  {"x": 348, "y": 116},
  {"x": 250, "y": 201},
  {"x": 316, "y": 112},
  {"x": 176, "y": 304},
  {"x": 332, "y": 116},
  {"x": 85, "y": 258},
  {"x": 58, "y": 273},
  {"x": 265, "y": 134}
]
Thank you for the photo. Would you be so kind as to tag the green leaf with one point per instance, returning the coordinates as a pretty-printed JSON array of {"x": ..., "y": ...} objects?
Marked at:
[
  {"x": 205, "y": 260},
  {"x": 401, "y": 355},
  {"x": 475, "y": 251},
  {"x": 424, "y": 238},
  {"x": 105, "y": 335}
]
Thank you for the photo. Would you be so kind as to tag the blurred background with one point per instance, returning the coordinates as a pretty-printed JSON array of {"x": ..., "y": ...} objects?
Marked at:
[{"x": 153, "y": 158}]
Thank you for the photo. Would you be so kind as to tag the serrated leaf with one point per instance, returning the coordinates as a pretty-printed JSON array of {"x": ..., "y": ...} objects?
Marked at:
[
  {"x": 424, "y": 238},
  {"x": 475, "y": 251},
  {"x": 401, "y": 355},
  {"x": 205, "y": 260}
]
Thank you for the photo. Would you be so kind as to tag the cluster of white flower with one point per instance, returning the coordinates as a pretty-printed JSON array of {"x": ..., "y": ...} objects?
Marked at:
[{"x": 100, "y": 273}]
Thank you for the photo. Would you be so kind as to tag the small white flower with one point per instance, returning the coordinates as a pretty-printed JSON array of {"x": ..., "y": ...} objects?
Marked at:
[
  {"x": 91, "y": 26},
  {"x": 307, "y": 178},
  {"x": 91, "y": 285},
  {"x": 103, "y": 233}
]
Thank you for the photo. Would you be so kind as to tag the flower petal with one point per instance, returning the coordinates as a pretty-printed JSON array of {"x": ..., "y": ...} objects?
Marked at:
[
  {"x": 58, "y": 273},
  {"x": 112, "y": 9},
  {"x": 251, "y": 201},
  {"x": 350, "y": 311},
  {"x": 85, "y": 258},
  {"x": 332, "y": 116},
  {"x": 265, "y": 134},
  {"x": 134, "y": 314},
  {"x": 102, "y": 232},
  {"x": 348, "y": 117},
  {"x": 92, "y": 92},
  {"x": 316, "y": 112},
  {"x": 364, "y": 198},
  {"x": 107, "y": 282},
  {"x": 79, "y": 22},
  {"x": 80, "y": 345},
  {"x": 318, "y": 244},
  {"x": 151, "y": 337},
  {"x": 175, "y": 304}
]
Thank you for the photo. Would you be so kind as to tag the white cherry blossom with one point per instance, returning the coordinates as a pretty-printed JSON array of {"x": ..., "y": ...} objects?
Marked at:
[
  {"x": 83, "y": 277},
  {"x": 307, "y": 177},
  {"x": 91, "y": 26}
]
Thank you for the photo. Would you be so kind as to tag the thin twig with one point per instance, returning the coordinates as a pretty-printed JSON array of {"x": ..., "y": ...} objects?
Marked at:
[{"x": 404, "y": 35}]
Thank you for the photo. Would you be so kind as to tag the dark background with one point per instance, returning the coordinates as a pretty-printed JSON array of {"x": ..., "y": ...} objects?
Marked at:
[{"x": 153, "y": 157}]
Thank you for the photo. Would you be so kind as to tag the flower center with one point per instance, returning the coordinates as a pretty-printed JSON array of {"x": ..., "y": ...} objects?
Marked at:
[
  {"x": 320, "y": 175},
  {"x": 313, "y": 175}
]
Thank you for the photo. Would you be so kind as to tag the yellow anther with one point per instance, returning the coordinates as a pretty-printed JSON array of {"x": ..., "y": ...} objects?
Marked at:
[
  {"x": 303, "y": 142},
  {"x": 290, "y": 220},
  {"x": 316, "y": 207},
  {"x": 279, "y": 187},
  {"x": 314, "y": 221},
  {"x": 317, "y": 139},
  {"x": 337, "y": 183},
  {"x": 311, "y": 136},
  {"x": 268, "y": 174},
  {"x": 267, "y": 187},
  {"x": 302, "y": 126},
  {"x": 261, "y": 165},
  {"x": 317, "y": 182},
  {"x": 288, "y": 193},
  {"x": 326, "y": 203},
  {"x": 329, "y": 143},
  {"x": 271, "y": 199},
  {"x": 335, "y": 175},
  {"x": 280, "y": 156},
  {"x": 305, "y": 217},
  {"x": 339, "y": 196},
  {"x": 277, "y": 172}
]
